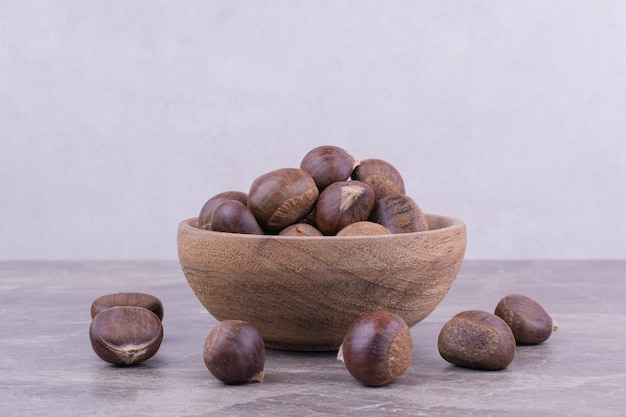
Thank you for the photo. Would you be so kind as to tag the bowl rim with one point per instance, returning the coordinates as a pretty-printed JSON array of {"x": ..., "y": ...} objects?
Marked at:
[{"x": 453, "y": 223}]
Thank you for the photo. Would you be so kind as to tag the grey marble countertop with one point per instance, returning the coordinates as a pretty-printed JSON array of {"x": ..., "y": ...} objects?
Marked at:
[{"x": 47, "y": 366}]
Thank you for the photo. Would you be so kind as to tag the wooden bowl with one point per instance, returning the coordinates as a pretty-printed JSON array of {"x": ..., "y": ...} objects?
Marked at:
[{"x": 303, "y": 293}]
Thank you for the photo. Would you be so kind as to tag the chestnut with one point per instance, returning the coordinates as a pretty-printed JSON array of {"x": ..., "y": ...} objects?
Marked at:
[
  {"x": 478, "y": 340},
  {"x": 377, "y": 348},
  {"x": 130, "y": 299},
  {"x": 206, "y": 212},
  {"x": 281, "y": 197},
  {"x": 328, "y": 164},
  {"x": 341, "y": 204},
  {"x": 300, "y": 229},
  {"x": 125, "y": 335},
  {"x": 364, "y": 228},
  {"x": 383, "y": 177},
  {"x": 400, "y": 214},
  {"x": 234, "y": 352},
  {"x": 527, "y": 319},
  {"x": 231, "y": 216},
  {"x": 310, "y": 218}
]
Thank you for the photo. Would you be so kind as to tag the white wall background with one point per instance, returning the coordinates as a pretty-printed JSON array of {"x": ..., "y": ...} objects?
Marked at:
[{"x": 119, "y": 118}]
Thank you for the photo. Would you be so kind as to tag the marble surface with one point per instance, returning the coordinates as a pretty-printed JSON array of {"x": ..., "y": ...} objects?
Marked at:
[{"x": 47, "y": 367}]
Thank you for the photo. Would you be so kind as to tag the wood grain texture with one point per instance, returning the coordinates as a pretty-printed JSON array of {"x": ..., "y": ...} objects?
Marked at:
[{"x": 303, "y": 293}]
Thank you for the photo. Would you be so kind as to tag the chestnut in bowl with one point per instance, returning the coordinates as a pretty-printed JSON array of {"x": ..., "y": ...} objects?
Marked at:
[{"x": 304, "y": 292}]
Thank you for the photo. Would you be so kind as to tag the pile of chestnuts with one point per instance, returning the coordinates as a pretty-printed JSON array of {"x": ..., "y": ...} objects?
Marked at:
[
  {"x": 332, "y": 193},
  {"x": 126, "y": 328}
]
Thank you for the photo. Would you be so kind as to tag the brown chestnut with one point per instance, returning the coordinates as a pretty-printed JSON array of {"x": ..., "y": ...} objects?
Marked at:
[
  {"x": 206, "y": 212},
  {"x": 341, "y": 204},
  {"x": 400, "y": 214},
  {"x": 234, "y": 352},
  {"x": 281, "y": 197},
  {"x": 364, "y": 228},
  {"x": 131, "y": 299},
  {"x": 300, "y": 229},
  {"x": 328, "y": 164},
  {"x": 478, "y": 340},
  {"x": 125, "y": 335},
  {"x": 383, "y": 177},
  {"x": 310, "y": 218},
  {"x": 377, "y": 349},
  {"x": 233, "y": 217},
  {"x": 527, "y": 319}
]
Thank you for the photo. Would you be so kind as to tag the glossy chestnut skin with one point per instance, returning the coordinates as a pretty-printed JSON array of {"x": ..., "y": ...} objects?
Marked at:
[
  {"x": 530, "y": 323},
  {"x": 377, "y": 349},
  {"x": 400, "y": 214},
  {"x": 310, "y": 218},
  {"x": 282, "y": 197},
  {"x": 328, "y": 164},
  {"x": 478, "y": 340},
  {"x": 234, "y": 217},
  {"x": 234, "y": 352},
  {"x": 341, "y": 204},
  {"x": 130, "y": 299},
  {"x": 206, "y": 212},
  {"x": 125, "y": 335},
  {"x": 383, "y": 177}
]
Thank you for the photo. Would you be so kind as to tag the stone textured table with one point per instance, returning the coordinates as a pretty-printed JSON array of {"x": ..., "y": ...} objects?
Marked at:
[{"x": 47, "y": 367}]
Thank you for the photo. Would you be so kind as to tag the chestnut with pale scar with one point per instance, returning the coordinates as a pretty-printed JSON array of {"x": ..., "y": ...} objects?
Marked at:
[{"x": 341, "y": 204}]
